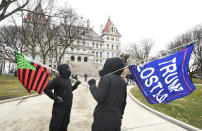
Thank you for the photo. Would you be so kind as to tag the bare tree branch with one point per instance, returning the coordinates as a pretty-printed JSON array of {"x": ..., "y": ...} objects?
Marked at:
[{"x": 5, "y": 5}]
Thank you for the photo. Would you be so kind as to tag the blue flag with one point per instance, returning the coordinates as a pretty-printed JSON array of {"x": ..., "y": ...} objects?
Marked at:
[{"x": 166, "y": 79}]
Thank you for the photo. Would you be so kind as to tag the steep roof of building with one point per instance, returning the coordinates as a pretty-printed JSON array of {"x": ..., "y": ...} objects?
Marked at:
[
  {"x": 90, "y": 34},
  {"x": 107, "y": 27},
  {"x": 93, "y": 35},
  {"x": 38, "y": 10}
]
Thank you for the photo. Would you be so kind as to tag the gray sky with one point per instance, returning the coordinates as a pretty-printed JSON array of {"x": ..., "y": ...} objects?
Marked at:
[{"x": 161, "y": 20}]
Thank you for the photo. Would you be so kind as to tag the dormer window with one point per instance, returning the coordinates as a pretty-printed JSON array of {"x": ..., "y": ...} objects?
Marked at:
[{"x": 112, "y": 29}]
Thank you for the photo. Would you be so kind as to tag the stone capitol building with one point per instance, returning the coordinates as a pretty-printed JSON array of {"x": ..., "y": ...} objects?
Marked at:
[{"x": 94, "y": 48}]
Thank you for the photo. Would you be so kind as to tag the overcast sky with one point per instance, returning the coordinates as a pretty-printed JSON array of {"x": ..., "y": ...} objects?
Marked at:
[{"x": 161, "y": 20}]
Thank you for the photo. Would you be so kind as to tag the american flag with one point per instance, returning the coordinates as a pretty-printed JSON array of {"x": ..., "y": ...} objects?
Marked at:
[{"x": 32, "y": 75}]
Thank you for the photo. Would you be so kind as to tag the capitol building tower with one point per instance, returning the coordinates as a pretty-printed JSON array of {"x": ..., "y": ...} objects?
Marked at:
[{"x": 89, "y": 53}]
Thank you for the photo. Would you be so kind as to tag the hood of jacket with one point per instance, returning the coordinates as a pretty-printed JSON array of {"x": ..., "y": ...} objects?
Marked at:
[
  {"x": 64, "y": 70},
  {"x": 111, "y": 65}
]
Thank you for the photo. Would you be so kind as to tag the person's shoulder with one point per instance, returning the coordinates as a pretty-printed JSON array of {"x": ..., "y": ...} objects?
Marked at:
[{"x": 56, "y": 78}]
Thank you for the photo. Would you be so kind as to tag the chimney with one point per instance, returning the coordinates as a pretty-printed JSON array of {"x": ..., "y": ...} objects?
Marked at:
[
  {"x": 101, "y": 29},
  {"x": 88, "y": 24}
]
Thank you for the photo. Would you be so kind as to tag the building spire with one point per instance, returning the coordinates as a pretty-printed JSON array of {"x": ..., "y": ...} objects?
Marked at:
[{"x": 109, "y": 17}]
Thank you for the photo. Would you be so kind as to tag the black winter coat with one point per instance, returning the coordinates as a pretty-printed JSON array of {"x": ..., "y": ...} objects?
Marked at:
[
  {"x": 63, "y": 88},
  {"x": 110, "y": 96}
]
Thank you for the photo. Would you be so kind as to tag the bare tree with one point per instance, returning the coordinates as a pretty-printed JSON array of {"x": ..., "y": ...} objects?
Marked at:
[
  {"x": 147, "y": 44},
  {"x": 10, "y": 36},
  {"x": 72, "y": 28},
  {"x": 38, "y": 32},
  {"x": 33, "y": 27},
  {"x": 140, "y": 54},
  {"x": 181, "y": 41},
  {"x": 5, "y": 4},
  {"x": 46, "y": 41}
]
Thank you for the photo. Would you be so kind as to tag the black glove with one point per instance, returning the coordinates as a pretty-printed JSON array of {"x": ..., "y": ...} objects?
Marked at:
[
  {"x": 92, "y": 82},
  {"x": 59, "y": 99},
  {"x": 78, "y": 83},
  {"x": 129, "y": 76}
]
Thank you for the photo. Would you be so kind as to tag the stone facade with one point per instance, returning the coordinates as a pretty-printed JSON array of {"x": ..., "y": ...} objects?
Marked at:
[{"x": 94, "y": 48}]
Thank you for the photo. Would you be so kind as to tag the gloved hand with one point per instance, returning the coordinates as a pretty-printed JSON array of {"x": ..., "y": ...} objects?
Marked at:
[
  {"x": 78, "y": 82},
  {"x": 59, "y": 99},
  {"x": 92, "y": 82}
]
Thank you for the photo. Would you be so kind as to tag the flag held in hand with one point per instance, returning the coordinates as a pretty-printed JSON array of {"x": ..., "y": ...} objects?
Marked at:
[
  {"x": 166, "y": 79},
  {"x": 32, "y": 75}
]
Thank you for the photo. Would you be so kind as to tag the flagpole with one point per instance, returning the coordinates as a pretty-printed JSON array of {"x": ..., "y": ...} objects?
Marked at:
[
  {"x": 30, "y": 59},
  {"x": 118, "y": 69},
  {"x": 148, "y": 61},
  {"x": 167, "y": 52}
]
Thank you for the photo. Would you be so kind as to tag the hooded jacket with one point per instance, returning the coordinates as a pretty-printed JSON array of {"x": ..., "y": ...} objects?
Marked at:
[
  {"x": 110, "y": 95},
  {"x": 62, "y": 87}
]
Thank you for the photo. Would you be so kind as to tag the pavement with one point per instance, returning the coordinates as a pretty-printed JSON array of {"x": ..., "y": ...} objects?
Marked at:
[
  {"x": 34, "y": 114},
  {"x": 137, "y": 118}
]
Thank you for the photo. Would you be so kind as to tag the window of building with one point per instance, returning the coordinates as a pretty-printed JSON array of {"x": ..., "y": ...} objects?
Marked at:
[
  {"x": 112, "y": 29},
  {"x": 72, "y": 58},
  {"x": 85, "y": 59},
  {"x": 93, "y": 52},
  {"x": 83, "y": 42},
  {"x": 107, "y": 38},
  {"x": 96, "y": 45},
  {"x": 112, "y": 46},
  {"x": 112, "y": 38},
  {"x": 93, "y": 43},
  {"x": 100, "y": 45},
  {"x": 100, "y": 54},
  {"x": 117, "y": 47},
  {"x": 112, "y": 54},
  {"x": 107, "y": 46},
  {"x": 96, "y": 54},
  {"x": 79, "y": 58},
  {"x": 107, "y": 54},
  {"x": 77, "y": 41},
  {"x": 84, "y": 49}
]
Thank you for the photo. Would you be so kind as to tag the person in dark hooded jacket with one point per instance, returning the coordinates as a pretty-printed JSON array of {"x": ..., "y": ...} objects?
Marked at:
[
  {"x": 110, "y": 95},
  {"x": 62, "y": 97}
]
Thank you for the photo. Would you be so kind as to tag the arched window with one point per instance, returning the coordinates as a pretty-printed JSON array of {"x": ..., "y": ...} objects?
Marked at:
[
  {"x": 72, "y": 58},
  {"x": 85, "y": 59},
  {"x": 79, "y": 58}
]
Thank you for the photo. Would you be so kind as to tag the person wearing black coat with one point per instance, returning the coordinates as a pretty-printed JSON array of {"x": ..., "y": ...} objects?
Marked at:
[
  {"x": 129, "y": 77},
  {"x": 110, "y": 95},
  {"x": 62, "y": 97}
]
